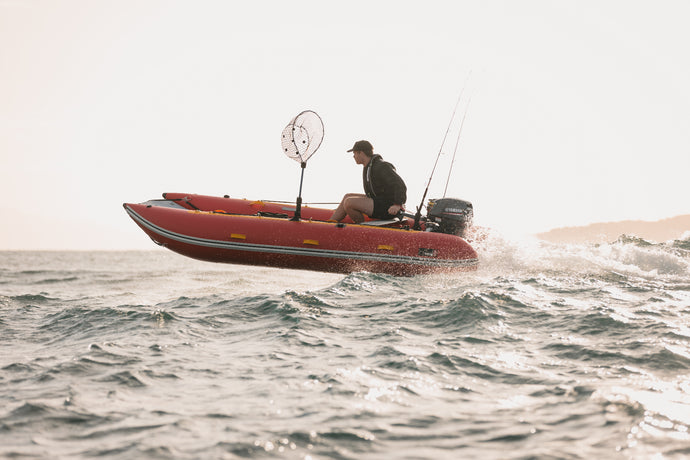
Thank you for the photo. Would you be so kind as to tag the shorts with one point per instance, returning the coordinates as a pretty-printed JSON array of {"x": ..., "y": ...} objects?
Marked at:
[{"x": 381, "y": 209}]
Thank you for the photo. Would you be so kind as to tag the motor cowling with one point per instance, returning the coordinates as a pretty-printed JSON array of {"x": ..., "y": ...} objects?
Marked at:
[{"x": 449, "y": 215}]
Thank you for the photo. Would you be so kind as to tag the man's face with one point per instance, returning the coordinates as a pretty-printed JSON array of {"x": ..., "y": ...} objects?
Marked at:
[{"x": 359, "y": 157}]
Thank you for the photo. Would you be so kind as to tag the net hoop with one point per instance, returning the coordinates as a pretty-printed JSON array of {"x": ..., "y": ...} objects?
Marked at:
[{"x": 302, "y": 137}]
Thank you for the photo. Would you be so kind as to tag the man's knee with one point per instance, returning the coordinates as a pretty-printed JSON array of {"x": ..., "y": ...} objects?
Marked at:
[
  {"x": 348, "y": 201},
  {"x": 358, "y": 203},
  {"x": 348, "y": 196}
]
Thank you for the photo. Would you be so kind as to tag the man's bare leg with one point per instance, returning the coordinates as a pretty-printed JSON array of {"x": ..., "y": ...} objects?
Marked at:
[
  {"x": 340, "y": 213},
  {"x": 357, "y": 206}
]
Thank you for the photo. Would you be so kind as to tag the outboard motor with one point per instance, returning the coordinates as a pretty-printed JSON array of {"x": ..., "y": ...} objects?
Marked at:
[{"x": 449, "y": 215}]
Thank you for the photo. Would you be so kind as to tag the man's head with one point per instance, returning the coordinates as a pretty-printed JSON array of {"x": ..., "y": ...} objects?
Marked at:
[{"x": 363, "y": 146}]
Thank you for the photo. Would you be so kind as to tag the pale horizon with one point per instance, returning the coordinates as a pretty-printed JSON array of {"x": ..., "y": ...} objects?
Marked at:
[{"x": 577, "y": 112}]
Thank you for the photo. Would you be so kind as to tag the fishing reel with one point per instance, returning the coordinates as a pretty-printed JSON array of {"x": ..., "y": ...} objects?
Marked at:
[{"x": 449, "y": 215}]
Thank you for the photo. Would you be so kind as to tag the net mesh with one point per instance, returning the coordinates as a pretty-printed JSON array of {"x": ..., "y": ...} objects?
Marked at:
[{"x": 302, "y": 136}]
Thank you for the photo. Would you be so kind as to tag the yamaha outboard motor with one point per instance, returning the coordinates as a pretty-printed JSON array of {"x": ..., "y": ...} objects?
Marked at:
[{"x": 449, "y": 215}]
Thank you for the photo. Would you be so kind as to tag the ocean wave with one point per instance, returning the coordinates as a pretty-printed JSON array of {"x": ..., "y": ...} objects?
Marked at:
[
  {"x": 38, "y": 299},
  {"x": 85, "y": 323},
  {"x": 454, "y": 316}
]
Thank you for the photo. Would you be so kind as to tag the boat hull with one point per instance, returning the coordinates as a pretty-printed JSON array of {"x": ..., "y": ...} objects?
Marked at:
[{"x": 230, "y": 235}]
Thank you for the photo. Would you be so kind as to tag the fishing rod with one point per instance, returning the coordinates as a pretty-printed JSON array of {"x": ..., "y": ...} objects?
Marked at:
[
  {"x": 418, "y": 214},
  {"x": 457, "y": 142}
]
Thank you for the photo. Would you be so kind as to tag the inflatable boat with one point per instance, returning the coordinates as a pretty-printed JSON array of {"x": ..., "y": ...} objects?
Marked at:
[
  {"x": 272, "y": 234},
  {"x": 240, "y": 231}
]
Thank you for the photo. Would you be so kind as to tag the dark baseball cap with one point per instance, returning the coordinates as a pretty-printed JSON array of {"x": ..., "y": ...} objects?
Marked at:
[{"x": 362, "y": 146}]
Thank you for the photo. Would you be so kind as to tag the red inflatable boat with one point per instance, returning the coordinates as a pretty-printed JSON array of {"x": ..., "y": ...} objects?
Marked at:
[{"x": 223, "y": 229}]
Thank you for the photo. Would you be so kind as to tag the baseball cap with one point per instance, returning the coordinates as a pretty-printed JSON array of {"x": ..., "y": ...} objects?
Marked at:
[{"x": 362, "y": 146}]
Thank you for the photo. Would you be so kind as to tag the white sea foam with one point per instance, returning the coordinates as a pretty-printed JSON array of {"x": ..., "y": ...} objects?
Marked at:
[{"x": 502, "y": 255}]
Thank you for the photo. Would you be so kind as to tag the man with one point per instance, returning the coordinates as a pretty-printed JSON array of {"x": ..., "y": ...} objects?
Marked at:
[{"x": 385, "y": 192}]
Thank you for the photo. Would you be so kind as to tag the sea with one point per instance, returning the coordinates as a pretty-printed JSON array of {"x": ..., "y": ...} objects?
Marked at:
[{"x": 547, "y": 351}]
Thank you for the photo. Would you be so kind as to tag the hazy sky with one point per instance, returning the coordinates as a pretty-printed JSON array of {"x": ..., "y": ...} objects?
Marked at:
[{"x": 579, "y": 111}]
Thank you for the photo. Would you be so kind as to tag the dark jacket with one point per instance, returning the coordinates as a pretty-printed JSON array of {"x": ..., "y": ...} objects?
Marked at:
[{"x": 382, "y": 182}]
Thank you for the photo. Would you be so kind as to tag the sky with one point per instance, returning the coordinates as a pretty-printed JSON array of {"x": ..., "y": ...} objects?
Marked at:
[{"x": 577, "y": 111}]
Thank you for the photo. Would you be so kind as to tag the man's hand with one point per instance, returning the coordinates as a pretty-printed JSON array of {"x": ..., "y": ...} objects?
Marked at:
[{"x": 395, "y": 209}]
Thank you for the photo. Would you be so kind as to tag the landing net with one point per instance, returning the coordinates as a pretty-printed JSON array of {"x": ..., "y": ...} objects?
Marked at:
[{"x": 302, "y": 136}]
